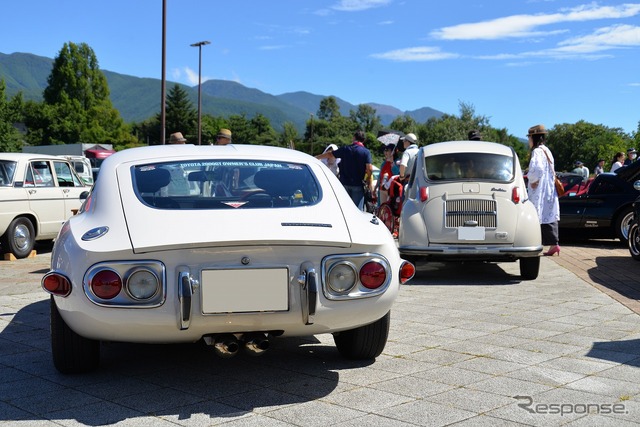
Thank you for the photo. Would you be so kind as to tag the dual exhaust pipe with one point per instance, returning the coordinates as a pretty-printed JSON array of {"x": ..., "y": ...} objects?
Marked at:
[{"x": 228, "y": 345}]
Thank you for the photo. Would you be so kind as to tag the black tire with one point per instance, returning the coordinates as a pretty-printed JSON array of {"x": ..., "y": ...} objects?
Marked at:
[
  {"x": 19, "y": 238},
  {"x": 623, "y": 224},
  {"x": 72, "y": 354},
  {"x": 634, "y": 241},
  {"x": 365, "y": 342},
  {"x": 529, "y": 268}
]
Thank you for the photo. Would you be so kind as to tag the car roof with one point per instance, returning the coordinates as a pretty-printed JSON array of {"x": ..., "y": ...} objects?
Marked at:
[
  {"x": 468, "y": 147},
  {"x": 28, "y": 156},
  {"x": 185, "y": 151}
]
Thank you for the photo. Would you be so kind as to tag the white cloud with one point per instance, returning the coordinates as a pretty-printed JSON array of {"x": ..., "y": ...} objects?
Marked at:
[
  {"x": 191, "y": 76},
  {"x": 272, "y": 47},
  {"x": 525, "y": 25},
  {"x": 415, "y": 54},
  {"x": 358, "y": 5},
  {"x": 590, "y": 47},
  {"x": 606, "y": 38}
]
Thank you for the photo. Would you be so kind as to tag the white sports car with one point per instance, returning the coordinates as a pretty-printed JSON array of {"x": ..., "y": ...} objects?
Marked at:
[
  {"x": 233, "y": 245},
  {"x": 467, "y": 200}
]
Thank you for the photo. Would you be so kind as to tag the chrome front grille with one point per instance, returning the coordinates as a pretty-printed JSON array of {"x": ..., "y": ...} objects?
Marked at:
[{"x": 465, "y": 211}]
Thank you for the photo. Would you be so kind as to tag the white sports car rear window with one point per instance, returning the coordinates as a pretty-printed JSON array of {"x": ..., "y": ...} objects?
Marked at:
[
  {"x": 225, "y": 184},
  {"x": 470, "y": 167}
]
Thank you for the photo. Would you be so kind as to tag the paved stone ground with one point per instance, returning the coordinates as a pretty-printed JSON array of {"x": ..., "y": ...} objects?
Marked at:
[{"x": 470, "y": 344}]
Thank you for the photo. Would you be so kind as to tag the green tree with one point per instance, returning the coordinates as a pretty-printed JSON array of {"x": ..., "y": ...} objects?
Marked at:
[
  {"x": 10, "y": 137},
  {"x": 450, "y": 127},
  {"x": 404, "y": 123},
  {"x": 365, "y": 118},
  {"x": 329, "y": 109},
  {"x": 241, "y": 129},
  {"x": 586, "y": 142},
  {"x": 180, "y": 114},
  {"x": 78, "y": 93},
  {"x": 262, "y": 132},
  {"x": 289, "y": 135}
]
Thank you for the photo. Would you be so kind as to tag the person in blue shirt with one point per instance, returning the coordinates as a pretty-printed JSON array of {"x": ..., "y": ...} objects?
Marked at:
[{"x": 356, "y": 169}]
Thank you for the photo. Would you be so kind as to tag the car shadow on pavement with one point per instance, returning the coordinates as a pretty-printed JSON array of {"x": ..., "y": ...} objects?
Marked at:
[
  {"x": 625, "y": 351},
  {"x": 172, "y": 381},
  {"x": 436, "y": 273},
  {"x": 619, "y": 274}
]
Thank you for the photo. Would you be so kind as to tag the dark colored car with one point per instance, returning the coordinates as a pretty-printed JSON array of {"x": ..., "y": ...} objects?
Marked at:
[
  {"x": 634, "y": 230},
  {"x": 605, "y": 208}
]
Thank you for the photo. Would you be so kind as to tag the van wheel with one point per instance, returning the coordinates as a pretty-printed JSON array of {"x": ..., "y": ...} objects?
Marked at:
[
  {"x": 529, "y": 268},
  {"x": 365, "y": 342},
  {"x": 20, "y": 237},
  {"x": 72, "y": 353}
]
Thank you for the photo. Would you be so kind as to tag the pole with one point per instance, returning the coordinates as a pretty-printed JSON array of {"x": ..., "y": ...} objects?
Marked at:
[
  {"x": 163, "y": 113},
  {"x": 199, "y": 46}
]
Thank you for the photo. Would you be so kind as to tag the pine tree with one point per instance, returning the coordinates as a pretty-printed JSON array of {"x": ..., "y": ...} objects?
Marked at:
[
  {"x": 79, "y": 94},
  {"x": 181, "y": 115}
]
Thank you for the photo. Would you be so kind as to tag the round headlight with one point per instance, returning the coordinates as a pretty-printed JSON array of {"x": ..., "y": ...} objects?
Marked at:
[
  {"x": 142, "y": 284},
  {"x": 342, "y": 277}
]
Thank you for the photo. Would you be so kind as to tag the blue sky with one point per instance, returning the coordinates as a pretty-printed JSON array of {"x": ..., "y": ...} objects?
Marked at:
[{"x": 518, "y": 62}]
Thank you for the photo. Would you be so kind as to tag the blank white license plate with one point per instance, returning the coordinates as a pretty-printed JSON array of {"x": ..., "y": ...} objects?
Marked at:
[
  {"x": 471, "y": 233},
  {"x": 244, "y": 290}
]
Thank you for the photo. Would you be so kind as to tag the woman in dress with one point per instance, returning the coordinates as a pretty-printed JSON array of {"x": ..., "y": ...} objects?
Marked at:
[{"x": 542, "y": 190}]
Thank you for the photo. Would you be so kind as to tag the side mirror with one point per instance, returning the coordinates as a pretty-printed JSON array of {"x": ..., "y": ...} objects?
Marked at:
[
  {"x": 84, "y": 195},
  {"x": 636, "y": 185}
]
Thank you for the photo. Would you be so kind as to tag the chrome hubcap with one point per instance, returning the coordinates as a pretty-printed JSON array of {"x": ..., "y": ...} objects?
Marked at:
[{"x": 21, "y": 237}]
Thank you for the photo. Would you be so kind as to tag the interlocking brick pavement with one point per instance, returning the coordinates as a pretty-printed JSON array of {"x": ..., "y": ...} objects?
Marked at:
[{"x": 607, "y": 265}]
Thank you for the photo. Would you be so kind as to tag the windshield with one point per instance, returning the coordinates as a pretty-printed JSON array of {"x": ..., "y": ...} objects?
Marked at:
[
  {"x": 225, "y": 184},
  {"x": 7, "y": 169},
  {"x": 470, "y": 167}
]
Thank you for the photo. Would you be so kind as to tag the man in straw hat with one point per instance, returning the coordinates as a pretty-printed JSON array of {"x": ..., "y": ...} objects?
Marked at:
[
  {"x": 223, "y": 137},
  {"x": 177, "y": 138}
]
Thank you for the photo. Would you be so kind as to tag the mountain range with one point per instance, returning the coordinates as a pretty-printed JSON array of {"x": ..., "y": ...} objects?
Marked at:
[{"x": 138, "y": 99}]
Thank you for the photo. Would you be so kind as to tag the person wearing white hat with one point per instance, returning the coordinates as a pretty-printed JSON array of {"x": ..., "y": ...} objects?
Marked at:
[
  {"x": 331, "y": 162},
  {"x": 409, "y": 156}
]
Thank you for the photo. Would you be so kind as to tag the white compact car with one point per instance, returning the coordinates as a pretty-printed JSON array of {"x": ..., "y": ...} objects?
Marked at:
[
  {"x": 233, "y": 245},
  {"x": 38, "y": 193},
  {"x": 467, "y": 200}
]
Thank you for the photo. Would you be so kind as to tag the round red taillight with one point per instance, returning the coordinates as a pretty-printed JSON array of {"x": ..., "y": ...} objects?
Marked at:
[
  {"x": 106, "y": 284},
  {"x": 407, "y": 270},
  {"x": 56, "y": 284},
  {"x": 373, "y": 275}
]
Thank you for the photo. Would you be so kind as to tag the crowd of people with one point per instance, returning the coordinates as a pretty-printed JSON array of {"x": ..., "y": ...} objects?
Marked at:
[
  {"x": 352, "y": 164},
  {"x": 619, "y": 160}
]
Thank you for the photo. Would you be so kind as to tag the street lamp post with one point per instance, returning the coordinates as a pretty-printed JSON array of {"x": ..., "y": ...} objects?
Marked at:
[
  {"x": 163, "y": 95},
  {"x": 199, "y": 46}
]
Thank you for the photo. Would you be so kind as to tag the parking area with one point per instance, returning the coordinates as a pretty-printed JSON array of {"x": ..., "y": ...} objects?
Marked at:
[{"x": 470, "y": 344}]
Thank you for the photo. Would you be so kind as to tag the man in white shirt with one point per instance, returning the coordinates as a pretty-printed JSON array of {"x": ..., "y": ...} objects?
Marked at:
[
  {"x": 409, "y": 156},
  {"x": 581, "y": 169}
]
